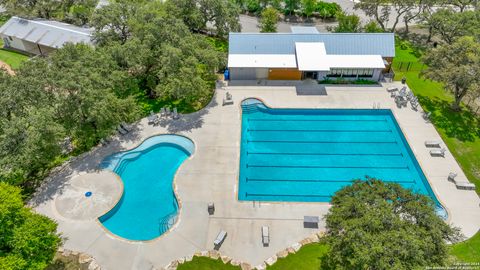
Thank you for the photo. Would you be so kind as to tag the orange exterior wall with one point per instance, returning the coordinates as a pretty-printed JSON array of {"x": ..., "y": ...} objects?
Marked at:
[{"x": 284, "y": 74}]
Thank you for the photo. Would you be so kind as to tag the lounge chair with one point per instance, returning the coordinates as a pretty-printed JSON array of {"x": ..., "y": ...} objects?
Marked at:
[
  {"x": 465, "y": 185},
  {"x": 162, "y": 112},
  {"x": 426, "y": 115},
  {"x": 126, "y": 127},
  {"x": 392, "y": 89},
  {"x": 220, "y": 238},
  {"x": 265, "y": 236},
  {"x": 228, "y": 99},
  {"x": 104, "y": 141},
  {"x": 175, "y": 114},
  {"x": 167, "y": 111},
  {"x": 451, "y": 177},
  {"x": 152, "y": 119},
  {"x": 121, "y": 130},
  {"x": 438, "y": 152},
  {"x": 433, "y": 144}
]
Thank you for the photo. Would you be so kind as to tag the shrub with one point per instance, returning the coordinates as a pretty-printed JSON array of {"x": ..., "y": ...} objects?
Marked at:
[
  {"x": 253, "y": 6},
  {"x": 327, "y": 10},
  {"x": 27, "y": 240}
]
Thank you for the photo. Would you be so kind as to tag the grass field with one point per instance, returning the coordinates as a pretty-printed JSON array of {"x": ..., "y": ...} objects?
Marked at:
[
  {"x": 203, "y": 263},
  {"x": 459, "y": 130},
  {"x": 13, "y": 59},
  {"x": 309, "y": 257}
]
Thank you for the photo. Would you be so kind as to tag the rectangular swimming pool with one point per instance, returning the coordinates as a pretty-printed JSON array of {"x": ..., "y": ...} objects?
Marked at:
[{"x": 306, "y": 155}]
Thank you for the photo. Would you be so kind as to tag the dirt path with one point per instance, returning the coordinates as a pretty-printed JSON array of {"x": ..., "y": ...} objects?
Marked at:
[{"x": 7, "y": 67}]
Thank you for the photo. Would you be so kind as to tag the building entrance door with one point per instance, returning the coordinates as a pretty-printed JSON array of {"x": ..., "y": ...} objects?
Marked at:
[{"x": 310, "y": 75}]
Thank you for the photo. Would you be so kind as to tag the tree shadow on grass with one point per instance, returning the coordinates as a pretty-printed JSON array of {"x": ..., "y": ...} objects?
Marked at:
[{"x": 463, "y": 125}]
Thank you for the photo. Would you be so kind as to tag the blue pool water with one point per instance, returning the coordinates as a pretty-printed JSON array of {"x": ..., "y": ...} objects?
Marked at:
[
  {"x": 148, "y": 207},
  {"x": 307, "y": 155}
]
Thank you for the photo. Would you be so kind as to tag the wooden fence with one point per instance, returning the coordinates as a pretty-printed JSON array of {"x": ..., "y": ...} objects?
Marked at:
[{"x": 407, "y": 66}]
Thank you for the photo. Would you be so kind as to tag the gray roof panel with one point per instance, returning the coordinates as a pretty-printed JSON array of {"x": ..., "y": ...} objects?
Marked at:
[
  {"x": 335, "y": 43},
  {"x": 48, "y": 33}
]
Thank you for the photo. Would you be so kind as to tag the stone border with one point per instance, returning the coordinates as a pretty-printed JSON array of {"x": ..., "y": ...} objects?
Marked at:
[
  {"x": 82, "y": 258},
  {"x": 215, "y": 255}
]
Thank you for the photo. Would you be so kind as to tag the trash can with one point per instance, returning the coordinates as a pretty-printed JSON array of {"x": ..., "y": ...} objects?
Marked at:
[
  {"x": 226, "y": 75},
  {"x": 404, "y": 80},
  {"x": 211, "y": 208}
]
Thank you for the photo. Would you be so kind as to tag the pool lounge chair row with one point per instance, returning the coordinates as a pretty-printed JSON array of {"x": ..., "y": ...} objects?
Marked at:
[
  {"x": 122, "y": 129},
  {"x": 460, "y": 184},
  {"x": 154, "y": 119},
  {"x": 435, "y": 152}
]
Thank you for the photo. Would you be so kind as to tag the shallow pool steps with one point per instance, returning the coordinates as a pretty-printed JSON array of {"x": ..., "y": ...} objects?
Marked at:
[{"x": 167, "y": 222}]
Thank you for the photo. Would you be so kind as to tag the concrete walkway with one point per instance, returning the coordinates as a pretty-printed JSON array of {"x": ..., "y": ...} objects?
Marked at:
[{"x": 211, "y": 175}]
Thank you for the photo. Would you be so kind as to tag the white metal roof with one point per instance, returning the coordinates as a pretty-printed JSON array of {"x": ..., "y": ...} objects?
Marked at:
[
  {"x": 354, "y": 61},
  {"x": 311, "y": 56},
  {"x": 47, "y": 33},
  {"x": 262, "y": 60}
]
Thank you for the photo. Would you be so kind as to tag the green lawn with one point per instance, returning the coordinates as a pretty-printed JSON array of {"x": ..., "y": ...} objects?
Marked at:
[
  {"x": 468, "y": 251},
  {"x": 309, "y": 257},
  {"x": 459, "y": 130},
  {"x": 14, "y": 59},
  {"x": 204, "y": 263}
]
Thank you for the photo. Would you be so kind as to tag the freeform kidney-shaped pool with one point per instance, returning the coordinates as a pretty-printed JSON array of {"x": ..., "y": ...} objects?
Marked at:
[
  {"x": 306, "y": 155},
  {"x": 148, "y": 207}
]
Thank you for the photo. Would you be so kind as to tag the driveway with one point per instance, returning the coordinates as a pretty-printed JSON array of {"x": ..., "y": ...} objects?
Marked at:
[{"x": 250, "y": 23}]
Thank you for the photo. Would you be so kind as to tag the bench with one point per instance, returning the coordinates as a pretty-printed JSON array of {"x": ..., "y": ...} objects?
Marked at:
[
  {"x": 311, "y": 221},
  {"x": 220, "y": 238},
  {"x": 265, "y": 236}
]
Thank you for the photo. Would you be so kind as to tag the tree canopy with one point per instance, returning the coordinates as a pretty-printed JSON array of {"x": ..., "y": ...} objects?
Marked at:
[
  {"x": 217, "y": 16},
  {"x": 145, "y": 54},
  {"x": 28, "y": 240},
  {"x": 457, "y": 66},
  {"x": 73, "y": 93},
  {"x": 159, "y": 51},
  {"x": 348, "y": 23},
  {"x": 378, "y": 225},
  {"x": 73, "y": 11},
  {"x": 269, "y": 20},
  {"x": 450, "y": 25}
]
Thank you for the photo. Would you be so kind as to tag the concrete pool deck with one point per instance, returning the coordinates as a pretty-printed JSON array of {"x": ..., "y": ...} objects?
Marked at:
[{"x": 211, "y": 175}]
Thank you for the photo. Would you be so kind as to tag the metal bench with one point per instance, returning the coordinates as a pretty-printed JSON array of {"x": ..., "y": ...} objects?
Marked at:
[
  {"x": 265, "y": 236},
  {"x": 311, "y": 221},
  {"x": 220, "y": 238}
]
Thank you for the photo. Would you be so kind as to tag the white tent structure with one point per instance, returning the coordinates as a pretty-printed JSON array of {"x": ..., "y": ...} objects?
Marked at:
[{"x": 40, "y": 37}]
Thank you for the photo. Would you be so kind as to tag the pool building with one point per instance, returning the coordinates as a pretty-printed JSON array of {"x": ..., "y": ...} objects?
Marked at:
[{"x": 310, "y": 55}]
